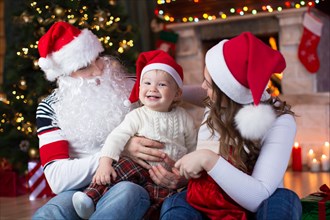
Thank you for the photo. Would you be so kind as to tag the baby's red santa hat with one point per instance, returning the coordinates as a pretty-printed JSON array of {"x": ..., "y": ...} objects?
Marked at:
[
  {"x": 65, "y": 49},
  {"x": 155, "y": 60},
  {"x": 241, "y": 67}
]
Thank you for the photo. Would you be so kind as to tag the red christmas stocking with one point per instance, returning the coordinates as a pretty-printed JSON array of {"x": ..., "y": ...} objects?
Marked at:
[
  {"x": 307, "y": 51},
  {"x": 167, "y": 42}
]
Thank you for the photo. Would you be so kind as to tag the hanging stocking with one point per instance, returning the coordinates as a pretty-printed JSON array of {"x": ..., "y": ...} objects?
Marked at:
[
  {"x": 167, "y": 42},
  {"x": 307, "y": 51}
]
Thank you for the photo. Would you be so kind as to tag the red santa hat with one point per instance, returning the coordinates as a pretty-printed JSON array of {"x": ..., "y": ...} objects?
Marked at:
[
  {"x": 65, "y": 49},
  {"x": 155, "y": 60},
  {"x": 241, "y": 67}
]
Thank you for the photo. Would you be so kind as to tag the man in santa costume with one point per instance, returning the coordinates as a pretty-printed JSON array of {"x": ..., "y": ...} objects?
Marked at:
[{"x": 74, "y": 121}]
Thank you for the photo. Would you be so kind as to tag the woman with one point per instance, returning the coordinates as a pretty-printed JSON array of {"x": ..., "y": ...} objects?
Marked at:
[{"x": 256, "y": 134}]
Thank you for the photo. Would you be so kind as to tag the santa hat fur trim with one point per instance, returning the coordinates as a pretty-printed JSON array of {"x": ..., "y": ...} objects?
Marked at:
[
  {"x": 223, "y": 78},
  {"x": 165, "y": 67},
  {"x": 241, "y": 68},
  {"x": 73, "y": 55}
]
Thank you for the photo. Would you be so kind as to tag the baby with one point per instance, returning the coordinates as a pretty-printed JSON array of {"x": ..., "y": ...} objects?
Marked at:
[{"x": 159, "y": 89}]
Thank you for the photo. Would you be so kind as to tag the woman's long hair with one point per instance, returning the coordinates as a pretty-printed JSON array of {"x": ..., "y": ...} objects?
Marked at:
[{"x": 221, "y": 120}]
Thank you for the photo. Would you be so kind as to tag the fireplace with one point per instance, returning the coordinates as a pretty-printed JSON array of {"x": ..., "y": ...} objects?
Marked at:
[{"x": 307, "y": 93}]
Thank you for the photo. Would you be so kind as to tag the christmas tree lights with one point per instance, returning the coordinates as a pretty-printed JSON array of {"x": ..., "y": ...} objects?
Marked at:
[{"x": 24, "y": 83}]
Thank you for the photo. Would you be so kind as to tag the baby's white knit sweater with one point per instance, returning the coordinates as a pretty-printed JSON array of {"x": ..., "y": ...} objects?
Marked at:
[{"x": 175, "y": 129}]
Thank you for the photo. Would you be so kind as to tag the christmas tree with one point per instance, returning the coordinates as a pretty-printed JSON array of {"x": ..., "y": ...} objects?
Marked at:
[{"x": 24, "y": 83}]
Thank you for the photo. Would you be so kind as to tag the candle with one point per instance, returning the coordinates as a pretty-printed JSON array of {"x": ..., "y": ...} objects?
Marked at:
[
  {"x": 325, "y": 162},
  {"x": 296, "y": 157},
  {"x": 315, "y": 165},
  {"x": 310, "y": 157},
  {"x": 326, "y": 149}
]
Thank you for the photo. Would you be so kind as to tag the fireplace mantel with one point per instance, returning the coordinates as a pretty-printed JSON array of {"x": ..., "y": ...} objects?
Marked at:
[{"x": 298, "y": 86}]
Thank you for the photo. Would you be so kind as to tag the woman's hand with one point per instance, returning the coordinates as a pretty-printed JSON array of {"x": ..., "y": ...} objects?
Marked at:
[
  {"x": 141, "y": 149},
  {"x": 191, "y": 165},
  {"x": 165, "y": 178}
]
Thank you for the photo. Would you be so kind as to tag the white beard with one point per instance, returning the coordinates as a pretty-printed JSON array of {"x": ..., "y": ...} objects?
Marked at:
[{"x": 89, "y": 109}]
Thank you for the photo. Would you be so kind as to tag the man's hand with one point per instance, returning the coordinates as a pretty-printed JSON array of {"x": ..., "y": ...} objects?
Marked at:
[
  {"x": 141, "y": 149},
  {"x": 165, "y": 178}
]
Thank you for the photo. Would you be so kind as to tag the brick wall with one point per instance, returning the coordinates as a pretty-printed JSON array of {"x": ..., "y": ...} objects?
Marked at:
[{"x": 300, "y": 88}]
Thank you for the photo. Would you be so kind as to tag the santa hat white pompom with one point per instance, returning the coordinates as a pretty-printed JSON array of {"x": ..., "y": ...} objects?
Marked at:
[
  {"x": 254, "y": 121},
  {"x": 127, "y": 103},
  {"x": 47, "y": 66},
  {"x": 44, "y": 63}
]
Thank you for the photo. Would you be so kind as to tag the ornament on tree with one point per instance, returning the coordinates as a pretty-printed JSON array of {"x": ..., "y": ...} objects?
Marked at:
[
  {"x": 307, "y": 51},
  {"x": 26, "y": 18},
  {"x": 101, "y": 17},
  {"x": 72, "y": 20},
  {"x": 33, "y": 153},
  {"x": 35, "y": 64},
  {"x": 59, "y": 11},
  {"x": 41, "y": 31},
  {"x": 22, "y": 84},
  {"x": 24, "y": 145},
  {"x": 112, "y": 2},
  {"x": 3, "y": 98},
  {"x": 40, "y": 20}
]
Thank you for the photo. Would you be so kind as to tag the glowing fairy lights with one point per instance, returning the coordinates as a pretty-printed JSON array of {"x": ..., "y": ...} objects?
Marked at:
[
  {"x": 164, "y": 14},
  {"x": 101, "y": 20}
]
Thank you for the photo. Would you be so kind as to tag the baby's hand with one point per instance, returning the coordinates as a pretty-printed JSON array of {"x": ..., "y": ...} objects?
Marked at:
[
  {"x": 191, "y": 165},
  {"x": 105, "y": 172}
]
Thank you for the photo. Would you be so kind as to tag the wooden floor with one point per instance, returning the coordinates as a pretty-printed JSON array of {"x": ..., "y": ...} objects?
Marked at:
[
  {"x": 16, "y": 208},
  {"x": 303, "y": 183}
]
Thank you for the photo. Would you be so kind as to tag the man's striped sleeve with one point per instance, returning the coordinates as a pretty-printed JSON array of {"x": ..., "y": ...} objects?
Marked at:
[{"x": 52, "y": 145}]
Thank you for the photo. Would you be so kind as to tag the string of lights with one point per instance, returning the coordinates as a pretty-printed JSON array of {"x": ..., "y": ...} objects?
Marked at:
[{"x": 177, "y": 11}]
